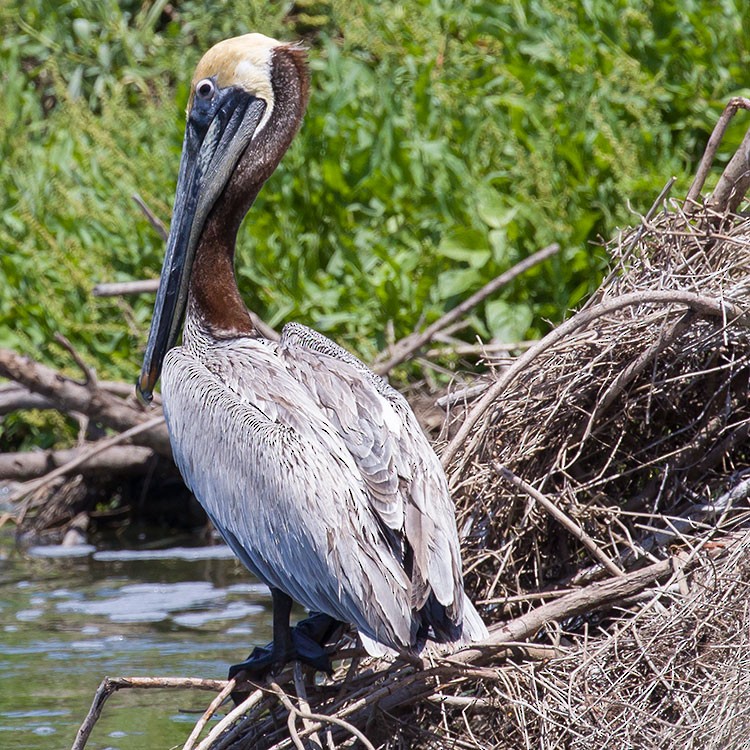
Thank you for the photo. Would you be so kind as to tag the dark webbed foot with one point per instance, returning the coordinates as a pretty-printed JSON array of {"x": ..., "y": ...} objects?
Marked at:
[
  {"x": 305, "y": 644},
  {"x": 302, "y": 643},
  {"x": 315, "y": 632},
  {"x": 261, "y": 662}
]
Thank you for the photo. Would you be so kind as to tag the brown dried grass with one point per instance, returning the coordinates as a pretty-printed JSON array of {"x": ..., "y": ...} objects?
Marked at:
[{"x": 636, "y": 427}]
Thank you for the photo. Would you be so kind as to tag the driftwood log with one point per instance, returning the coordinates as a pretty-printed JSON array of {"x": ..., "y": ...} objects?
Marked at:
[{"x": 98, "y": 403}]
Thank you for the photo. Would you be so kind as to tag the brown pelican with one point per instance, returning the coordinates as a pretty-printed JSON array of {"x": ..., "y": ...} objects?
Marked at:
[{"x": 314, "y": 470}]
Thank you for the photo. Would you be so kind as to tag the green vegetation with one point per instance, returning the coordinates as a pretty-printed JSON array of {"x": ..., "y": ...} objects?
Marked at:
[{"x": 445, "y": 140}]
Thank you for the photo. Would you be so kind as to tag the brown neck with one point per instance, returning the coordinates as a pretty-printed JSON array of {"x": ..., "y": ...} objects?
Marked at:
[{"x": 215, "y": 297}]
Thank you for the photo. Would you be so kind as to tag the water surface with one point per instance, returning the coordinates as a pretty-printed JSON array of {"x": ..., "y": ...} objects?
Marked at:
[{"x": 68, "y": 618}]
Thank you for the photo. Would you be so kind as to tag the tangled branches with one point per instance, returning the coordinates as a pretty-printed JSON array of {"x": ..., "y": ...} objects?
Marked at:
[
  {"x": 632, "y": 426},
  {"x": 635, "y": 420}
]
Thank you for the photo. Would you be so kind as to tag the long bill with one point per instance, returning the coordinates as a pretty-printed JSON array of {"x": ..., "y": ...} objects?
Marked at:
[{"x": 215, "y": 138}]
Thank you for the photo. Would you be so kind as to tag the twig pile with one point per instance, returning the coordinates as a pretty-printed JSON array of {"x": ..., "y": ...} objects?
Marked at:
[
  {"x": 633, "y": 424},
  {"x": 667, "y": 669}
]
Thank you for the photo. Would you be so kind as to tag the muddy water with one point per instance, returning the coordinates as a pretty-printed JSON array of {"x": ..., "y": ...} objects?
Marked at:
[{"x": 70, "y": 617}]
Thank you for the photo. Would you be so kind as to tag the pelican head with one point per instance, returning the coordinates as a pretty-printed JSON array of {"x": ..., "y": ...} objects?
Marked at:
[{"x": 247, "y": 99}]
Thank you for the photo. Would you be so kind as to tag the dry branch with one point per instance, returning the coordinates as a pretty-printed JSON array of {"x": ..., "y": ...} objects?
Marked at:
[
  {"x": 323, "y": 719},
  {"x": 208, "y": 714},
  {"x": 735, "y": 179},
  {"x": 408, "y": 346},
  {"x": 84, "y": 456},
  {"x": 149, "y": 286},
  {"x": 732, "y": 175},
  {"x": 14, "y": 397},
  {"x": 153, "y": 219},
  {"x": 561, "y": 518},
  {"x": 633, "y": 417},
  {"x": 125, "y": 288},
  {"x": 110, "y": 685},
  {"x": 593, "y": 597}
]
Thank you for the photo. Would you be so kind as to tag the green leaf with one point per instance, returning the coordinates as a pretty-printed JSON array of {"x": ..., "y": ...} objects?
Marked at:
[
  {"x": 467, "y": 245},
  {"x": 494, "y": 210},
  {"x": 457, "y": 282},
  {"x": 75, "y": 83},
  {"x": 499, "y": 244},
  {"x": 508, "y": 322},
  {"x": 82, "y": 28}
]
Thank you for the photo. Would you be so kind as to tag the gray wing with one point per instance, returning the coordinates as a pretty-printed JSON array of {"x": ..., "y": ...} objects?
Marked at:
[
  {"x": 282, "y": 487},
  {"x": 406, "y": 481}
]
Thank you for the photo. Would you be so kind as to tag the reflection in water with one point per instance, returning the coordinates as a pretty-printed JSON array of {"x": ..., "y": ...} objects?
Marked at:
[{"x": 67, "y": 620}]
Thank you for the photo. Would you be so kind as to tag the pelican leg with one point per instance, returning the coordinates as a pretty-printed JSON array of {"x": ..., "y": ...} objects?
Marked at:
[
  {"x": 282, "y": 633},
  {"x": 302, "y": 643}
]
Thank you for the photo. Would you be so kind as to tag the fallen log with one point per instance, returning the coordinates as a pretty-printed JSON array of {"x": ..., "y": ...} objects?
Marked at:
[
  {"x": 96, "y": 403},
  {"x": 124, "y": 460}
]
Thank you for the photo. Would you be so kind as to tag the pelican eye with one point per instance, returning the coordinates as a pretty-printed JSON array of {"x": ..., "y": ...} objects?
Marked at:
[{"x": 205, "y": 89}]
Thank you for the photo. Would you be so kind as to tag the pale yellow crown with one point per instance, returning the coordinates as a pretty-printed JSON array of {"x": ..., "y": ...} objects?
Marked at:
[{"x": 243, "y": 61}]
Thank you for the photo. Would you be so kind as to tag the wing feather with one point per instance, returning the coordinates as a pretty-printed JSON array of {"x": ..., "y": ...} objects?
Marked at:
[{"x": 405, "y": 478}]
